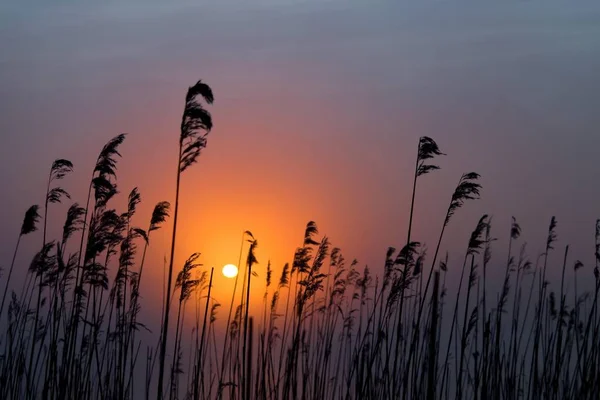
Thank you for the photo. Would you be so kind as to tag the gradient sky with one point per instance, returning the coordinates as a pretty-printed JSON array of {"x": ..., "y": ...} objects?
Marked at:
[{"x": 319, "y": 106}]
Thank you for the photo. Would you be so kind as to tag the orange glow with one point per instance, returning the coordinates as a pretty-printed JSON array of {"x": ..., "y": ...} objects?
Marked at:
[{"x": 275, "y": 179}]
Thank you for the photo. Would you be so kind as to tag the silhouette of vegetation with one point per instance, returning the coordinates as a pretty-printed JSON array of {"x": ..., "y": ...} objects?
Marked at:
[
  {"x": 196, "y": 124},
  {"x": 327, "y": 328}
]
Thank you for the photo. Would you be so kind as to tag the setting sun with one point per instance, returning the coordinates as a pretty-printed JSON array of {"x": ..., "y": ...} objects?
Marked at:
[{"x": 230, "y": 271}]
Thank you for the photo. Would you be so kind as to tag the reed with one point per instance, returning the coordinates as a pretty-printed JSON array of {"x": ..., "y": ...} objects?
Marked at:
[{"x": 327, "y": 327}]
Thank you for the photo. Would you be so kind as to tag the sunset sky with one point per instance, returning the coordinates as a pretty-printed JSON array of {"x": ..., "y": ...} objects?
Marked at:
[{"x": 318, "y": 109}]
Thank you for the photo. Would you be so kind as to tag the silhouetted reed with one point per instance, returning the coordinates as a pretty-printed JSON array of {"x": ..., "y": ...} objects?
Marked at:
[
  {"x": 196, "y": 124},
  {"x": 327, "y": 328}
]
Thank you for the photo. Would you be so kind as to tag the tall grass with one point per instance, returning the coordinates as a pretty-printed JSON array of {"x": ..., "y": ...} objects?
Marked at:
[
  {"x": 196, "y": 124},
  {"x": 326, "y": 328}
]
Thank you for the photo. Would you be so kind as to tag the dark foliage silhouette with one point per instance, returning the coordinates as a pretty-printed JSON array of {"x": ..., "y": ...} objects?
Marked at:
[{"x": 325, "y": 327}]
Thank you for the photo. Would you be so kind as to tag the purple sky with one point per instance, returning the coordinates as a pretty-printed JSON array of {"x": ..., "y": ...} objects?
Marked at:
[{"x": 319, "y": 106}]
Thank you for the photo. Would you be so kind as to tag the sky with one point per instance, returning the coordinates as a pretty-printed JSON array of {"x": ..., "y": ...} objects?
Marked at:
[{"x": 318, "y": 109}]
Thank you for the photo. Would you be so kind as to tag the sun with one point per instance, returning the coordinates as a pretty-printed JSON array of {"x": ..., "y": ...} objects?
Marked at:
[{"x": 230, "y": 271}]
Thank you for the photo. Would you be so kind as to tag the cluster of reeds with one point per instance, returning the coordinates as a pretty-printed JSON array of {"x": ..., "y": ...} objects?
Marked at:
[{"x": 327, "y": 328}]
